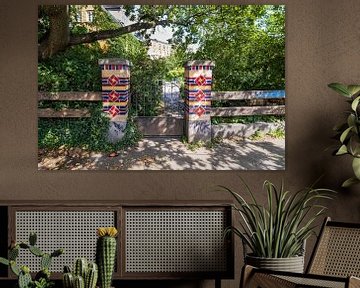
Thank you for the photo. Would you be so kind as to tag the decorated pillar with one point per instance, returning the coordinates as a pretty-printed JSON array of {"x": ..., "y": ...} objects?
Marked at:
[
  {"x": 198, "y": 82},
  {"x": 115, "y": 79}
]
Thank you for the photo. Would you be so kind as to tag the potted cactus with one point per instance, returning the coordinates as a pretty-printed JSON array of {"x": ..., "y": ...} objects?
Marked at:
[
  {"x": 42, "y": 278},
  {"x": 84, "y": 275},
  {"x": 106, "y": 254}
]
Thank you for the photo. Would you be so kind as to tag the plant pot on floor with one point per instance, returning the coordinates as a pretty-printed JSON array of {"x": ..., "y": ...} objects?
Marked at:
[{"x": 290, "y": 264}]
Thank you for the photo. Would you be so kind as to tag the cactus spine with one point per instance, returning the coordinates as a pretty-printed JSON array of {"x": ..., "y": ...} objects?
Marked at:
[
  {"x": 105, "y": 254},
  {"x": 84, "y": 276}
]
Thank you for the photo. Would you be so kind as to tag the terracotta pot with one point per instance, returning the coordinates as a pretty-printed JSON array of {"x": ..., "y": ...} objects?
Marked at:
[{"x": 291, "y": 264}]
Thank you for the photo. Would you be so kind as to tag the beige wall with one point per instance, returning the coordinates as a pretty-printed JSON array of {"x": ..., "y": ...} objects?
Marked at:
[{"x": 322, "y": 46}]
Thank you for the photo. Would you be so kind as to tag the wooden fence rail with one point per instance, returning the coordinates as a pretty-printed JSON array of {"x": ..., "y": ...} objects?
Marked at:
[
  {"x": 215, "y": 111},
  {"x": 67, "y": 96},
  {"x": 247, "y": 95}
]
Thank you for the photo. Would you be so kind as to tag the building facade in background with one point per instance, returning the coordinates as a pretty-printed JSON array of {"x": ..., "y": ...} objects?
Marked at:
[{"x": 159, "y": 49}]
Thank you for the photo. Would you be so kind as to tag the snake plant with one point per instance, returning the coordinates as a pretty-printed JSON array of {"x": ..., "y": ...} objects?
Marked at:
[
  {"x": 279, "y": 228},
  {"x": 349, "y": 132}
]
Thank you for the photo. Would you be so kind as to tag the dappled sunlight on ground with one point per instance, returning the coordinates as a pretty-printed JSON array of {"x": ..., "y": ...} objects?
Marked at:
[{"x": 172, "y": 154}]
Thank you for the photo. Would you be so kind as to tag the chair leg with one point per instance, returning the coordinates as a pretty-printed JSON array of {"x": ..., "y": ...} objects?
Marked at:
[
  {"x": 354, "y": 282},
  {"x": 246, "y": 273},
  {"x": 251, "y": 279}
]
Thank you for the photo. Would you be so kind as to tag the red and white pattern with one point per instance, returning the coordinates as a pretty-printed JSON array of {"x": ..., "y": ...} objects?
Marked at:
[
  {"x": 200, "y": 80},
  {"x": 113, "y": 80}
]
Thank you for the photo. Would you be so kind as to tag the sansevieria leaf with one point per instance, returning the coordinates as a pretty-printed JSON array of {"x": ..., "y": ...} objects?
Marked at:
[{"x": 279, "y": 228}]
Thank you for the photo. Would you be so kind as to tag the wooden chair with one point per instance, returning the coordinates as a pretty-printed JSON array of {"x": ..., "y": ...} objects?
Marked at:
[{"x": 335, "y": 262}]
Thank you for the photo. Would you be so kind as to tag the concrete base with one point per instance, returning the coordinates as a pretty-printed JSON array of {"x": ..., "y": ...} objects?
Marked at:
[
  {"x": 243, "y": 130},
  {"x": 116, "y": 131},
  {"x": 199, "y": 130}
]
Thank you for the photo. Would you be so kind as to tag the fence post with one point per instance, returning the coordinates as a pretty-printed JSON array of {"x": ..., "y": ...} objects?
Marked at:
[
  {"x": 115, "y": 82},
  {"x": 198, "y": 82}
]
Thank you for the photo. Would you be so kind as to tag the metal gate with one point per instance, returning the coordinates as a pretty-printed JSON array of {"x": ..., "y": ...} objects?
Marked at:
[{"x": 160, "y": 110}]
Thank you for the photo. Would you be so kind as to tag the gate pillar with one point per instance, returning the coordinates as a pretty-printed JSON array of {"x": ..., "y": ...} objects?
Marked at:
[
  {"x": 198, "y": 83},
  {"x": 115, "y": 81}
]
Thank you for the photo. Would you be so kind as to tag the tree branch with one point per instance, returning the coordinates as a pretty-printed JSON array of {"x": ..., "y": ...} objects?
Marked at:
[{"x": 106, "y": 34}]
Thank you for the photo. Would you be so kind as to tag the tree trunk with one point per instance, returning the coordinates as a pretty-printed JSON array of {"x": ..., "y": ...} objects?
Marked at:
[{"x": 59, "y": 32}]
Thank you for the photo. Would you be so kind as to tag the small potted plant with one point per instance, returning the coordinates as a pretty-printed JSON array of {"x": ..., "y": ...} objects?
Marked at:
[
  {"x": 349, "y": 132},
  {"x": 276, "y": 233}
]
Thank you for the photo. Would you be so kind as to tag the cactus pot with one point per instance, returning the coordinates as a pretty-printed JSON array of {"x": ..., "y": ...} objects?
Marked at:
[{"x": 291, "y": 264}]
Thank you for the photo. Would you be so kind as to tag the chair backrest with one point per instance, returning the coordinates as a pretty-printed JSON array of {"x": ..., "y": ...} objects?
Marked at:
[{"x": 337, "y": 251}]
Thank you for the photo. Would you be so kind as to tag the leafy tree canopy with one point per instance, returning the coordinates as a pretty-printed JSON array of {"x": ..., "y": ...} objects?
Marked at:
[{"x": 190, "y": 23}]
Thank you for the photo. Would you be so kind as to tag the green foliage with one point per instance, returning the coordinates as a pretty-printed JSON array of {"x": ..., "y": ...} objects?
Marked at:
[
  {"x": 247, "y": 119},
  {"x": 76, "y": 69},
  {"x": 279, "y": 229},
  {"x": 278, "y": 133},
  {"x": 349, "y": 132},
  {"x": 86, "y": 133},
  {"x": 254, "y": 54},
  {"x": 43, "y": 283}
]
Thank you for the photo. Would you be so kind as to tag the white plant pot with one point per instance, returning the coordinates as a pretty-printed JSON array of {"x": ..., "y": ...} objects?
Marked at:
[{"x": 291, "y": 264}]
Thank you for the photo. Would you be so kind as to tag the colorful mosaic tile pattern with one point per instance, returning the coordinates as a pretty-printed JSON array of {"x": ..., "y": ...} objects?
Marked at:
[
  {"x": 115, "y": 90},
  {"x": 198, "y": 81}
]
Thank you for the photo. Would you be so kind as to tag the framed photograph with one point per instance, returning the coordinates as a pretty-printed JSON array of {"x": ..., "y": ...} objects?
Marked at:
[{"x": 161, "y": 87}]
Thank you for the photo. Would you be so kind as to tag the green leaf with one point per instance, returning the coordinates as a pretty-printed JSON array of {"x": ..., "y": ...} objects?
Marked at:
[
  {"x": 353, "y": 89},
  {"x": 355, "y": 103},
  {"x": 351, "y": 120},
  {"x": 356, "y": 167},
  {"x": 349, "y": 182},
  {"x": 342, "y": 150},
  {"x": 345, "y": 134},
  {"x": 14, "y": 268},
  {"x": 4, "y": 261},
  {"x": 354, "y": 145},
  {"x": 341, "y": 89}
]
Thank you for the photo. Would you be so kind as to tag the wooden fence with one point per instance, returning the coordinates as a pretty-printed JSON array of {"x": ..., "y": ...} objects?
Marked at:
[
  {"x": 67, "y": 96},
  {"x": 256, "y": 100}
]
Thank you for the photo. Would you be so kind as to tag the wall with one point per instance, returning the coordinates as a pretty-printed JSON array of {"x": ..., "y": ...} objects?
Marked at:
[{"x": 323, "y": 40}]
